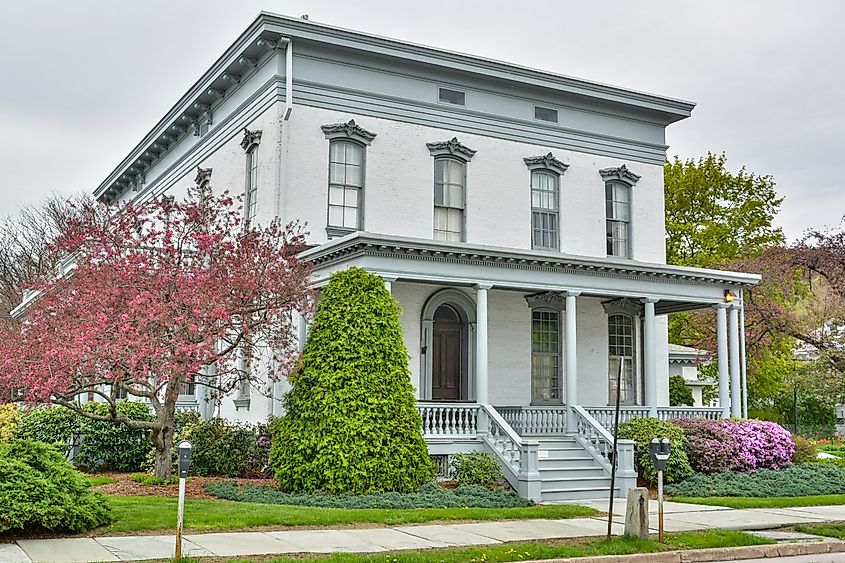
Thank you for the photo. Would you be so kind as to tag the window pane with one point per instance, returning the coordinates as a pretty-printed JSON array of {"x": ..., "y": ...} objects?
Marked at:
[
  {"x": 337, "y": 173},
  {"x": 545, "y": 114},
  {"x": 350, "y": 217},
  {"x": 452, "y": 96},
  {"x": 351, "y": 197},
  {"x": 354, "y": 154},
  {"x": 440, "y": 170},
  {"x": 335, "y": 195},
  {"x": 335, "y": 215}
]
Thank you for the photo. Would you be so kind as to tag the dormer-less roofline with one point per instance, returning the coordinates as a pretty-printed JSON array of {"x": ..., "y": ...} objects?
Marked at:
[{"x": 272, "y": 31}]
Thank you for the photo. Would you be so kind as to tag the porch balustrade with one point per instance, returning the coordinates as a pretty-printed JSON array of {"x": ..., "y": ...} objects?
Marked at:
[
  {"x": 604, "y": 415},
  {"x": 449, "y": 419},
  {"x": 709, "y": 413},
  {"x": 536, "y": 420}
]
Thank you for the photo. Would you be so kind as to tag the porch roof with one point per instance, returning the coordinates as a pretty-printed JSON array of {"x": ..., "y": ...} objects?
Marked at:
[{"x": 456, "y": 263}]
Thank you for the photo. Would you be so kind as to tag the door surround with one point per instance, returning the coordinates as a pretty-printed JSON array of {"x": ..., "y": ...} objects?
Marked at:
[{"x": 465, "y": 307}]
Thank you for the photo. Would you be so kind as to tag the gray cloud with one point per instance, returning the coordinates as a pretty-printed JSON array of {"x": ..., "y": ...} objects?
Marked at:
[{"x": 84, "y": 81}]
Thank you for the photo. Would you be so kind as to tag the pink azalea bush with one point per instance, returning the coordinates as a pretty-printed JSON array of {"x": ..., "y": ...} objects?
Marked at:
[{"x": 715, "y": 446}]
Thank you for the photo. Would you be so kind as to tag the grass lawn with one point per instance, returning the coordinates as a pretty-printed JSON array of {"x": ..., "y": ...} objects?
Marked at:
[
  {"x": 829, "y": 530},
  {"x": 139, "y": 514},
  {"x": 95, "y": 481},
  {"x": 763, "y": 502},
  {"x": 540, "y": 550}
]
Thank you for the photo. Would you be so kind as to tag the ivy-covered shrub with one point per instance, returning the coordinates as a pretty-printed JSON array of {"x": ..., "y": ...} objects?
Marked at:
[
  {"x": 642, "y": 430},
  {"x": 430, "y": 495},
  {"x": 679, "y": 394},
  {"x": 226, "y": 449},
  {"x": 475, "y": 468},
  {"x": 351, "y": 424},
  {"x": 796, "y": 480},
  {"x": 40, "y": 489},
  {"x": 736, "y": 445},
  {"x": 806, "y": 450},
  {"x": 9, "y": 418}
]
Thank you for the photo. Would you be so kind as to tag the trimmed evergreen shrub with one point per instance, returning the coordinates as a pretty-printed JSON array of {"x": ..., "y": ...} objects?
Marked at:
[
  {"x": 430, "y": 495},
  {"x": 9, "y": 419},
  {"x": 806, "y": 450},
  {"x": 642, "y": 430},
  {"x": 351, "y": 424},
  {"x": 475, "y": 468},
  {"x": 797, "y": 480},
  {"x": 51, "y": 425},
  {"x": 226, "y": 449},
  {"x": 679, "y": 394},
  {"x": 40, "y": 489}
]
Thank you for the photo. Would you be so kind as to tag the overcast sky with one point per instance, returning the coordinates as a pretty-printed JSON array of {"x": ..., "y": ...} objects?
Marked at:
[{"x": 83, "y": 81}]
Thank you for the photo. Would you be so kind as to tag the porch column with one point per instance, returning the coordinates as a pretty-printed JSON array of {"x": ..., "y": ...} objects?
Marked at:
[
  {"x": 388, "y": 283},
  {"x": 649, "y": 357},
  {"x": 570, "y": 352},
  {"x": 736, "y": 393},
  {"x": 722, "y": 348},
  {"x": 481, "y": 344}
]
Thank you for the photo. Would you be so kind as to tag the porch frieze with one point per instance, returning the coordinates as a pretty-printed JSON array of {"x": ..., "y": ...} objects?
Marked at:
[
  {"x": 550, "y": 299},
  {"x": 625, "y": 306}
]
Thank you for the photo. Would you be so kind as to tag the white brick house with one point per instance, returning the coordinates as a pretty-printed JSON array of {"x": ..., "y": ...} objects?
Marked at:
[{"x": 516, "y": 215}]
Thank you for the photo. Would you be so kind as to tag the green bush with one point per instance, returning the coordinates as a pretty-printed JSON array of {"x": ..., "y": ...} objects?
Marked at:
[
  {"x": 679, "y": 394},
  {"x": 147, "y": 479},
  {"x": 9, "y": 420},
  {"x": 475, "y": 468},
  {"x": 40, "y": 489},
  {"x": 51, "y": 425},
  {"x": 352, "y": 425},
  {"x": 642, "y": 430},
  {"x": 429, "y": 495},
  {"x": 805, "y": 450},
  {"x": 226, "y": 449},
  {"x": 796, "y": 480}
]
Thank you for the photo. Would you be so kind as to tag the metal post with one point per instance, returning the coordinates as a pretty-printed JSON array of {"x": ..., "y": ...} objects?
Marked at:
[
  {"x": 660, "y": 506},
  {"x": 615, "y": 450},
  {"x": 180, "y": 516}
]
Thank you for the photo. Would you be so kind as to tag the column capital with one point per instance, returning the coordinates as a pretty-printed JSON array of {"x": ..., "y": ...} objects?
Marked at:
[
  {"x": 484, "y": 285},
  {"x": 389, "y": 279},
  {"x": 650, "y": 299},
  {"x": 571, "y": 293},
  {"x": 721, "y": 305}
]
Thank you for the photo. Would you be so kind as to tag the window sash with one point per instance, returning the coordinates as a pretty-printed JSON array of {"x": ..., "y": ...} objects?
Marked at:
[
  {"x": 618, "y": 214},
  {"x": 346, "y": 184},
  {"x": 545, "y": 356},
  {"x": 251, "y": 196},
  {"x": 449, "y": 199},
  {"x": 544, "y": 211},
  {"x": 621, "y": 342}
]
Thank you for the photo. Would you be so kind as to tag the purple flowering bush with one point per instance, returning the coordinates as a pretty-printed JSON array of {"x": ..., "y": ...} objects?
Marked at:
[{"x": 715, "y": 446}]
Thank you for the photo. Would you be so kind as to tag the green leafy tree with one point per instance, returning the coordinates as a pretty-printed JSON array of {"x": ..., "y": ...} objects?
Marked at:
[
  {"x": 351, "y": 424},
  {"x": 679, "y": 394}
]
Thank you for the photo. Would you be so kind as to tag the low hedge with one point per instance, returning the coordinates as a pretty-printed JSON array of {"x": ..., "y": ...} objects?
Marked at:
[
  {"x": 475, "y": 468},
  {"x": 798, "y": 480},
  {"x": 430, "y": 495},
  {"x": 40, "y": 490},
  {"x": 642, "y": 430}
]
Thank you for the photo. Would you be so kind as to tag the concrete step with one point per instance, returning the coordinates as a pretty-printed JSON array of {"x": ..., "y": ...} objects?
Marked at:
[
  {"x": 576, "y": 493},
  {"x": 571, "y": 472},
  {"x": 569, "y": 452},
  {"x": 565, "y": 483}
]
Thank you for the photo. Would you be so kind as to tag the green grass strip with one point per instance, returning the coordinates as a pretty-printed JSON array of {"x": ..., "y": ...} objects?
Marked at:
[
  {"x": 829, "y": 530},
  {"x": 97, "y": 481},
  {"x": 770, "y": 502},
  {"x": 142, "y": 514}
]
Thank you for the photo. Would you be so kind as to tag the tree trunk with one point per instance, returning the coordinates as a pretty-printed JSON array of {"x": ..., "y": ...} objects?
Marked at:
[{"x": 163, "y": 438}]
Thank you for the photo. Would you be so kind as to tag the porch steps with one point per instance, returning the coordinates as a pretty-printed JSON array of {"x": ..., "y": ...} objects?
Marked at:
[{"x": 568, "y": 472}]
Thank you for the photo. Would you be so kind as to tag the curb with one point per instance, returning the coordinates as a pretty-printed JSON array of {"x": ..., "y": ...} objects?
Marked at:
[{"x": 715, "y": 554}]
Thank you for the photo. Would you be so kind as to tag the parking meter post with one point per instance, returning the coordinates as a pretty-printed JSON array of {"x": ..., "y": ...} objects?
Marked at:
[
  {"x": 659, "y": 451},
  {"x": 660, "y": 506},
  {"x": 184, "y": 448}
]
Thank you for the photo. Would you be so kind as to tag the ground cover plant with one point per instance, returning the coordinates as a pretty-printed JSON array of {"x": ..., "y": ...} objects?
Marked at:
[
  {"x": 156, "y": 513},
  {"x": 351, "y": 424},
  {"x": 430, "y": 495},
  {"x": 40, "y": 489},
  {"x": 829, "y": 529},
  {"x": 797, "y": 480},
  {"x": 642, "y": 430}
]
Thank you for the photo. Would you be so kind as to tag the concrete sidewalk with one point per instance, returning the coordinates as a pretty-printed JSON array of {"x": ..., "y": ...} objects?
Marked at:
[{"x": 679, "y": 517}]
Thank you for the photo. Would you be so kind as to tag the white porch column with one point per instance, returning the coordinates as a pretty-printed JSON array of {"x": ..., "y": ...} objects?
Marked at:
[
  {"x": 388, "y": 283},
  {"x": 570, "y": 353},
  {"x": 733, "y": 337},
  {"x": 722, "y": 348},
  {"x": 650, "y": 357},
  {"x": 481, "y": 344}
]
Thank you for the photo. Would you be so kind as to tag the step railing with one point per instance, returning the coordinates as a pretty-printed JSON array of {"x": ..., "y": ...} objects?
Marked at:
[
  {"x": 517, "y": 456},
  {"x": 535, "y": 420},
  {"x": 440, "y": 420},
  {"x": 605, "y": 415},
  {"x": 598, "y": 442}
]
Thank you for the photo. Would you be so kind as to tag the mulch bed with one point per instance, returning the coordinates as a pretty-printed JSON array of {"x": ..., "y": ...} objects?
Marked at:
[{"x": 194, "y": 488}]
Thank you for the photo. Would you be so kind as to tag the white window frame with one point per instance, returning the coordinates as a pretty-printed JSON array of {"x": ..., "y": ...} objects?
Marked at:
[
  {"x": 360, "y": 190},
  {"x": 460, "y": 205},
  {"x": 619, "y": 177}
]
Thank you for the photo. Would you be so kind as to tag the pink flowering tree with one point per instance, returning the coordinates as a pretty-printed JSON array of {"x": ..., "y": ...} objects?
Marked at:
[{"x": 163, "y": 294}]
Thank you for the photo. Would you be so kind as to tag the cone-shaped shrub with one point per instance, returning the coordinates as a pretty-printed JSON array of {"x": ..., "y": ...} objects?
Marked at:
[{"x": 351, "y": 424}]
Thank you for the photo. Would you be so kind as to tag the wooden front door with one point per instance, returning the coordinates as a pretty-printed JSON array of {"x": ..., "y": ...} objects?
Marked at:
[{"x": 447, "y": 355}]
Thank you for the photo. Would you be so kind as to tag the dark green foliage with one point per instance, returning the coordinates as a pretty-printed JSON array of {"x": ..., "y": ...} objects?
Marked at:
[
  {"x": 475, "y": 468},
  {"x": 39, "y": 489},
  {"x": 679, "y": 394},
  {"x": 430, "y": 495},
  {"x": 226, "y": 449},
  {"x": 642, "y": 430},
  {"x": 102, "y": 444},
  {"x": 147, "y": 479},
  {"x": 352, "y": 425},
  {"x": 805, "y": 450},
  {"x": 797, "y": 480}
]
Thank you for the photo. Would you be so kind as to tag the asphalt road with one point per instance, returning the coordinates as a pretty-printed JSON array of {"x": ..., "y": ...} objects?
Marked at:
[{"x": 821, "y": 558}]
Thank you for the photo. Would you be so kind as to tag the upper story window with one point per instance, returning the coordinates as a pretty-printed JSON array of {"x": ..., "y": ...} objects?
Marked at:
[
  {"x": 250, "y": 144},
  {"x": 617, "y": 195},
  {"x": 347, "y": 159},
  {"x": 545, "y": 114},
  {"x": 449, "y": 96},
  {"x": 545, "y": 200},
  {"x": 450, "y": 160}
]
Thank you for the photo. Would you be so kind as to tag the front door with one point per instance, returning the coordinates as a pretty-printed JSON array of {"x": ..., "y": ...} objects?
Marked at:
[{"x": 447, "y": 355}]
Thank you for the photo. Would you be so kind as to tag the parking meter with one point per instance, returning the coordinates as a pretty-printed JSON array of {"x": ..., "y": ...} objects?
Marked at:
[
  {"x": 184, "y": 448},
  {"x": 658, "y": 451}
]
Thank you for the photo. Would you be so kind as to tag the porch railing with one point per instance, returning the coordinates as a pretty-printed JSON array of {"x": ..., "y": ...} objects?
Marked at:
[
  {"x": 668, "y": 413},
  {"x": 598, "y": 442},
  {"x": 536, "y": 420},
  {"x": 517, "y": 455},
  {"x": 604, "y": 415},
  {"x": 449, "y": 419}
]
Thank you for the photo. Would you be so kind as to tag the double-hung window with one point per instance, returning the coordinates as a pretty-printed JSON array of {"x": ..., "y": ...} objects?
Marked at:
[
  {"x": 620, "y": 335},
  {"x": 545, "y": 230},
  {"x": 545, "y": 356},
  {"x": 346, "y": 184},
  {"x": 618, "y": 211},
  {"x": 251, "y": 197},
  {"x": 449, "y": 199}
]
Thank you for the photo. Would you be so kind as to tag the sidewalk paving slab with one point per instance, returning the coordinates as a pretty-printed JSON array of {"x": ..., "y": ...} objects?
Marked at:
[
  {"x": 393, "y": 539},
  {"x": 447, "y": 534},
  {"x": 743, "y": 519},
  {"x": 790, "y": 537},
  {"x": 829, "y": 513},
  {"x": 325, "y": 541},
  {"x": 132, "y": 548},
  {"x": 669, "y": 507},
  {"x": 242, "y": 543},
  {"x": 66, "y": 550},
  {"x": 12, "y": 553}
]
